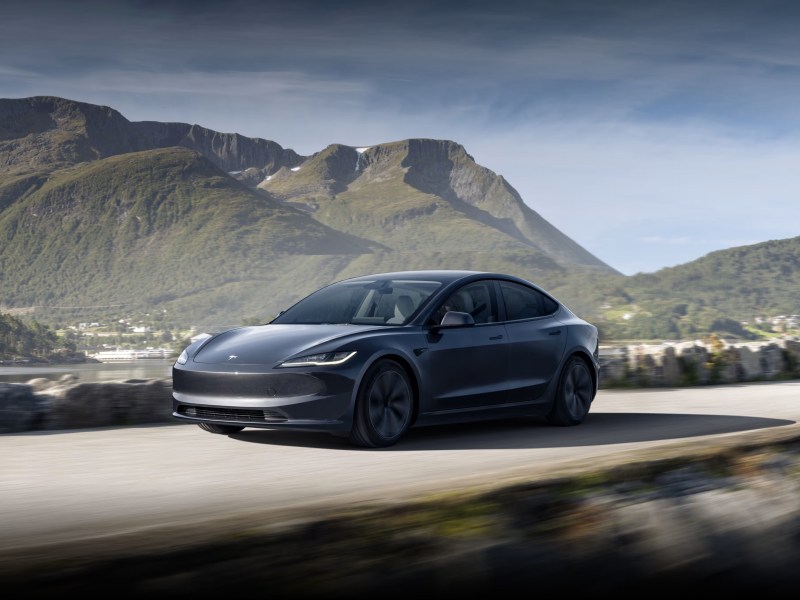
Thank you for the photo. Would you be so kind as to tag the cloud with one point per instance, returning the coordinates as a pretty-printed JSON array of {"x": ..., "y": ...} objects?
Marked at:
[
  {"x": 231, "y": 83},
  {"x": 629, "y": 125}
]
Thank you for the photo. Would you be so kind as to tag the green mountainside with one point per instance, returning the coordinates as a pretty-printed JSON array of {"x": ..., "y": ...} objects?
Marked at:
[
  {"x": 101, "y": 217},
  {"x": 162, "y": 228},
  {"x": 715, "y": 293},
  {"x": 21, "y": 339}
]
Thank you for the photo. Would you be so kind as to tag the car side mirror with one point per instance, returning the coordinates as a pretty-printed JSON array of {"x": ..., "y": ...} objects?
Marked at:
[{"x": 454, "y": 318}]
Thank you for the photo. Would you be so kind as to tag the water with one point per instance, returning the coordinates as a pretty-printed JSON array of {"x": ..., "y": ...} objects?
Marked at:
[{"x": 135, "y": 369}]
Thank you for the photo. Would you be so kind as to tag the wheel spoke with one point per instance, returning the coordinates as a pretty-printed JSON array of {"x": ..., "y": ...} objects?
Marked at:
[
  {"x": 383, "y": 386},
  {"x": 569, "y": 385},
  {"x": 378, "y": 417},
  {"x": 577, "y": 391},
  {"x": 585, "y": 384},
  {"x": 376, "y": 404},
  {"x": 392, "y": 421},
  {"x": 388, "y": 404},
  {"x": 399, "y": 408}
]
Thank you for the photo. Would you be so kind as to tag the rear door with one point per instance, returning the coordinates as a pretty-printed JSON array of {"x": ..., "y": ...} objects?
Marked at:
[{"x": 536, "y": 340}]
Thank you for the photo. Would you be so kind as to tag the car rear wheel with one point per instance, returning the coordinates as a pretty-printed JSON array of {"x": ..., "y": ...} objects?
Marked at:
[
  {"x": 221, "y": 429},
  {"x": 383, "y": 406},
  {"x": 574, "y": 395}
]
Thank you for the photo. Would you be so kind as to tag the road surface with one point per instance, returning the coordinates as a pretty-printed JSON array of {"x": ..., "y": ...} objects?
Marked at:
[{"x": 74, "y": 486}]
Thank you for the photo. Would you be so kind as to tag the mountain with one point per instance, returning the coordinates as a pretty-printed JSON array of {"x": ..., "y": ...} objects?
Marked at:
[
  {"x": 422, "y": 195},
  {"x": 99, "y": 211},
  {"x": 717, "y": 293},
  {"x": 104, "y": 217}
]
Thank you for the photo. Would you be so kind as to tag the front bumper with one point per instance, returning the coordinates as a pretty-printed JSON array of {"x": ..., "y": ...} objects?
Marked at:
[{"x": 271, "y": 400}]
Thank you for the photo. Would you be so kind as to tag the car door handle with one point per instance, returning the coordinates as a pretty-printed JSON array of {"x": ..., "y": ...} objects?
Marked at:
[
  {"x": 556, "y": 332},
  {"x": 496, "y": 337}
]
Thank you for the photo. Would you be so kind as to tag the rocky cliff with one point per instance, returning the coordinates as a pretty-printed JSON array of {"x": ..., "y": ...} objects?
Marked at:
[{"x": 43, "y": 133}]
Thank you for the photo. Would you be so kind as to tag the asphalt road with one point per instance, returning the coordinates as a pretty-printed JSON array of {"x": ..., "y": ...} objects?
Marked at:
[{"x": 79, "y": 486}]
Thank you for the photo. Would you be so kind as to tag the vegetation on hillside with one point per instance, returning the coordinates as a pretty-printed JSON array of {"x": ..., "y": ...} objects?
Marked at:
[
  {"x": 734, "y": 293},
  {"x": 154, "y": 227},
  {"x": 20, "y": 340}
]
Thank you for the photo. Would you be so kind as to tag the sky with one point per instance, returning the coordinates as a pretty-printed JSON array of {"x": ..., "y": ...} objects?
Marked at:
[{"x": 650, "y": 132}]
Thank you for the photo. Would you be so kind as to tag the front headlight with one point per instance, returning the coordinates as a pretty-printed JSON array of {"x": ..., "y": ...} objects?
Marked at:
[
  {"x": 319, "y": 360},
  {"x": 193, "y": 347}
]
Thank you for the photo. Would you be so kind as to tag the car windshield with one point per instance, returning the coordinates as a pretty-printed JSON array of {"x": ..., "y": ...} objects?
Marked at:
[{"x": 362, "y": 302}]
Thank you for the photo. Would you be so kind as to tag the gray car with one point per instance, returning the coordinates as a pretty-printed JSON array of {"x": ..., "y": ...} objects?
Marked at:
[{"x": 371, "y": 356}]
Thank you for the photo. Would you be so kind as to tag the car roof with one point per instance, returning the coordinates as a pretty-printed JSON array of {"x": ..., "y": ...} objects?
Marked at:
[
  {"x": 443, "y": 275},
  {"x": 446, "y": 276}
]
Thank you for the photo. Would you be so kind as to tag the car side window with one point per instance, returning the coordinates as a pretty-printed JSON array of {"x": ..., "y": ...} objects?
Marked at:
[
  {"x": 474, "y": 298},
  {"x": 525, "y": 303}
]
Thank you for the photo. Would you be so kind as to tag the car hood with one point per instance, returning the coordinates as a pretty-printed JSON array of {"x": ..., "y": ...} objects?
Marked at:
[{"x": 270, "y": 344}]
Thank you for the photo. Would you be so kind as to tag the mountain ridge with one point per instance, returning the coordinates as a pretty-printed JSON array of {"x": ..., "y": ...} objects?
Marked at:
[
  {"x": 215, "y": 227},
  {"x": 100, "y": 210},
  {"x": 439, "y": 169},
  {"x": 78, "y": 132}
]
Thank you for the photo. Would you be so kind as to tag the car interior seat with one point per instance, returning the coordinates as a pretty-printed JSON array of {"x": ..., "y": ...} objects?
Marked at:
[
  {"x": 403, "y": 309},
  {"x": 467, "y": 305}
]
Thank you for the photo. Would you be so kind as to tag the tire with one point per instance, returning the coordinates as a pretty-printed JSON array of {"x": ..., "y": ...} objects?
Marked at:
[
  {"x": 574, "y": 394},
  {"x": 384, "y": 406},
  {"x": 221, "y": 429}
]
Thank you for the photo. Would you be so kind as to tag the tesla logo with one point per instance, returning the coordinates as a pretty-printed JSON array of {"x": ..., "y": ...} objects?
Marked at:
[{"x": 232, "y": 356}]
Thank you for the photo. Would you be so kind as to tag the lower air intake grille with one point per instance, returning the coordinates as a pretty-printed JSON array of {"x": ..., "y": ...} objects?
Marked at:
[{"x": 215, "y": 413}]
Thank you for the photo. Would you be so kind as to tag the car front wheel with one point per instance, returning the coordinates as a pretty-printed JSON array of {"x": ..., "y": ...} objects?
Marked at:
[
  {"x": 383, "y": 406},
  {"x": 574, "y": 395},
  {"x": 221, "y": 429}
]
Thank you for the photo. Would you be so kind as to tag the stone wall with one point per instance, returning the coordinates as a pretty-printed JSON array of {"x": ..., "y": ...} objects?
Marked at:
[
  {"x": 698, "y": 363},
  {"x": 43, "y": 404}
]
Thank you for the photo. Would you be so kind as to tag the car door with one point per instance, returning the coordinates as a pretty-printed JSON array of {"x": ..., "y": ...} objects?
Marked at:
[
  {"x": 536, "y": 340},
  {"x": 468, "y": 364}
]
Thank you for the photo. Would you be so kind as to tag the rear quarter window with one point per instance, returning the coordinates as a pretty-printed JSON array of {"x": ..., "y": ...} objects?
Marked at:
[{"x": 522, "y": 302}]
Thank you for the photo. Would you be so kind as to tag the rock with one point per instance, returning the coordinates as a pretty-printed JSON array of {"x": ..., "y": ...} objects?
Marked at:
[
  {"x": 40, "y": 384},
  {"x": 749, "y": 364},
  {"x": 613, "y": 367},
  {"x": 20, "y": 408},
  {"x": 728, "y": 370},
  {"x": 694, "y": 364},
  {"x": 68, "y": 379},
  {"x": 772, "y": 361},
  {"x": 791, "y": 349},
  {"x": 671, "y": 371},
  {"x": 113, "y": 403}
]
